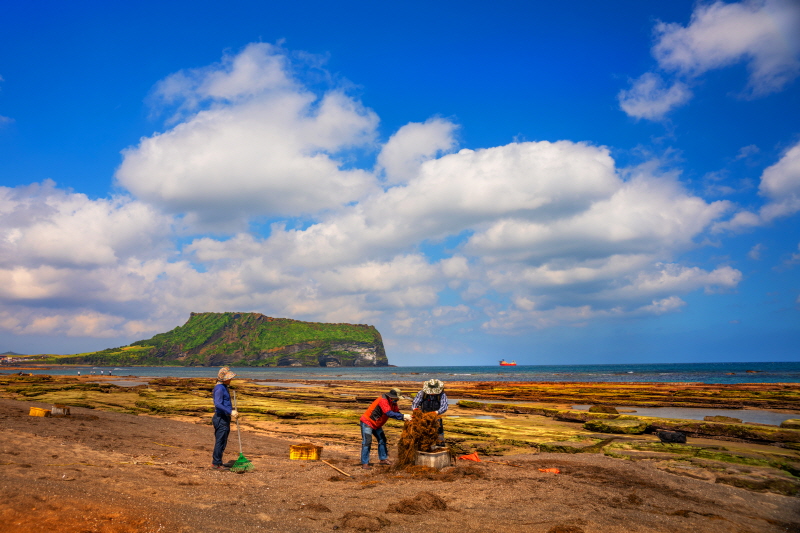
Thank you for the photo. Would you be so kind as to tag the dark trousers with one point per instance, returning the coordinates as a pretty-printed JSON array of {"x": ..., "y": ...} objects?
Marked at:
[{"x": 222, "y": 428}]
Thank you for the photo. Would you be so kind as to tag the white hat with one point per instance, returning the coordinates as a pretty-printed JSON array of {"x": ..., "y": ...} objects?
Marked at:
[{"x": 433, "y": 386}]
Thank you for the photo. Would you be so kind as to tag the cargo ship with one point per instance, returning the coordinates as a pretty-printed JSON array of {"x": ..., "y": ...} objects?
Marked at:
[{"x": 503, "y": 362}]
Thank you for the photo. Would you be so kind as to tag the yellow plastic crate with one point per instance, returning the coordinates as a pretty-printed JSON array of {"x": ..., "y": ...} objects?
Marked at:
[
  {"x": 305, "y": 452},
  {"x": 38, "y": 411}
]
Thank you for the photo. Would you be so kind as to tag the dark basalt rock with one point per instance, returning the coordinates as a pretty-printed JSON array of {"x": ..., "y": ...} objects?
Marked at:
[{"x": 670, "y": 437}]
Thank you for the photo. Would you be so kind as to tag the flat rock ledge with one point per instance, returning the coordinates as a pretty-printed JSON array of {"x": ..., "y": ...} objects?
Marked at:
[
  {"x": 792, "y": 423},
  {"x": 629, "y": 427}
]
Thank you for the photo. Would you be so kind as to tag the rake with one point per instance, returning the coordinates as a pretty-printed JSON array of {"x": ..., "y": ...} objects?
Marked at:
[{"x": 242, "y": 464}]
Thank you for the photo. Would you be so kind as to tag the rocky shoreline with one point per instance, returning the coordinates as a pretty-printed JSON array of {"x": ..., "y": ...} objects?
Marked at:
[{"x": 632, "y": 476}]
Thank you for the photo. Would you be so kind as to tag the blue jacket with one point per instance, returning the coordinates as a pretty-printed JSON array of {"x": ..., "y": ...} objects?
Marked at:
[{"x": 222, "y": 401}]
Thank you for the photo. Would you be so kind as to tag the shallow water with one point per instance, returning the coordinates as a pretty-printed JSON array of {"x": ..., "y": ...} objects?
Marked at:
[
  {"x": 282, "y": 384},
  {"x": 756, "y": 416},
  {"x": 676, "y": 372}
]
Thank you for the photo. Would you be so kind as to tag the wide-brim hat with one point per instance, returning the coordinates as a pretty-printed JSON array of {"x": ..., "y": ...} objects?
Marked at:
[
  {"x": 394, "y": 394},
  {"x": 433, "y": 386},
  {"x": 225, "y": 374}
]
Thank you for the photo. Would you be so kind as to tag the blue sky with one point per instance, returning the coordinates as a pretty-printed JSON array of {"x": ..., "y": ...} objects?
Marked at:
[{"x": 547, "y": 182}]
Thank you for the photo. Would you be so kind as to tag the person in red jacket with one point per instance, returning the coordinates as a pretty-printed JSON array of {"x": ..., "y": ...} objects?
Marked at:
[{"x": 372, "y": 422}]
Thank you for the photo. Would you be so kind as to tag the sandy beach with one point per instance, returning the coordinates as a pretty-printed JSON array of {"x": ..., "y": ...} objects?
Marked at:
[{"x": 134, "y": 468}]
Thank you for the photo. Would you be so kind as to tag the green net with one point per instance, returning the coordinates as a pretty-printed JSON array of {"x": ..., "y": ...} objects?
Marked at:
[{"x": 241, "y": 465}]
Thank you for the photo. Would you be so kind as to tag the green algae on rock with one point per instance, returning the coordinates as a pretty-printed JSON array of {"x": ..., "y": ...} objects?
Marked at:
[
  {"x": 603, "y": 409},
  {"x": 703, "y": 428},
  {"x": 725, "y": 419},
  {"x": 630, "y": 427},
  {"x": 580, "y": 446},
  {"x": 792, "y": 423}
]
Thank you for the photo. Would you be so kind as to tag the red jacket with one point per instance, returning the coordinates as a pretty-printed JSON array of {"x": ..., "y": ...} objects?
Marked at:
[{"x": 379, "y": 412}]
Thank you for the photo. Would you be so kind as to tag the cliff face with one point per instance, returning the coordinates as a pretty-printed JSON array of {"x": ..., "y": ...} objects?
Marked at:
[{"x": 251, "y": 339}]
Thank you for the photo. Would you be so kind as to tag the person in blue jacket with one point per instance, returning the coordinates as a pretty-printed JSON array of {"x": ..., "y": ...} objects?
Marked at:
[{"x": 223, "y": 414}]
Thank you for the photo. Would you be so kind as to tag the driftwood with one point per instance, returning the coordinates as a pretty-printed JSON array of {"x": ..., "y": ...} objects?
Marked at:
[{"x": 338, "y": 470}]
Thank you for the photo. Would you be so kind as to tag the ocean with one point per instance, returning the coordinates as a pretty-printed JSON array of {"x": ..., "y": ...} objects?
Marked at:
[{"x": 671, "y": 372}]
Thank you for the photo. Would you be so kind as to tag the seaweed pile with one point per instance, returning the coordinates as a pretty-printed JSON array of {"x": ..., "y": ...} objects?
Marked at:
[{"x": 419, "y": 434}]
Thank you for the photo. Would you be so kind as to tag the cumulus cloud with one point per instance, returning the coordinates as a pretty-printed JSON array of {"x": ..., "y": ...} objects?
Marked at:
[
  {"x": 254, "y": 143},
  {"x": 547, "y": 226},
  {"x": 529, "y": 234},
  {"x": 42, "y": 225},
  {"x": 764, "y": 34},
  {"x": 413, "y": 144}
]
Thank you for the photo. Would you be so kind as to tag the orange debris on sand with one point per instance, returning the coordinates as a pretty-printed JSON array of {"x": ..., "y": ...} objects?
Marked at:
[
  {"x": 550, "y": 470},
  {"x": 471, "y": 457}
]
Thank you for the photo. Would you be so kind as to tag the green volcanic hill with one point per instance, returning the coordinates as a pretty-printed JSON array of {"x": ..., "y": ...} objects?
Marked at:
[{"x": 248, "y": 339}]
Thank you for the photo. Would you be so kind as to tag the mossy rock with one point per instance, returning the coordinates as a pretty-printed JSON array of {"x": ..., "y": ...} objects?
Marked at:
[
  {"x": 569, "y": 447},
  {"x": 792, "y": 423},
  {"x": 724, "y": 419},
  {"x": 786, "y": 487},
  {"x": 628, "y": 427},
  {"x": 582, "y": 416},
  {"x": 603, "y": 409}
]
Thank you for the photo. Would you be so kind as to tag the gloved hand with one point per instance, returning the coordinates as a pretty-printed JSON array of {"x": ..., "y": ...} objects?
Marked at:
[
  {"x": 234, "y": 414},
  {"x": 406, "y": 417}
]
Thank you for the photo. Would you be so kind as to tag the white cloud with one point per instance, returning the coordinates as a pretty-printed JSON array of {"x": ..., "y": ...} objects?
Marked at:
[
  {"x": 780, "y": 186},
  {"x": 262, "y": 146},
  {"x": 42, "y": 225},
  {"x": 755, "y": 252},
  {"x": 780, "y": 183},
  {"x": 413, "y": 144},
  {"x": 550, "y": 227},
  {"x": 670, "y": 278},
  {"x": 762, "y": 33},
  {"x": 765, "y": 34},
  {"x": 550, "y": 224},
  {"x": 747, "y": 151},
  {"x": 649, "y": 97},
  {"x": 643, "y": 215}
]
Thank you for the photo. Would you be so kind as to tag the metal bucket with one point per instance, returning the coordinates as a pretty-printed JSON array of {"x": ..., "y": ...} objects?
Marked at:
[{"x": 435, "y": 460}]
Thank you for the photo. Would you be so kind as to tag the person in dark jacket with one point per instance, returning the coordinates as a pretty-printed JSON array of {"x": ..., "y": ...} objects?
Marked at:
[
  {"x": 432, "y": 398},
  {"x": 372, "y": 422},
  {"x": 223, "y": 414}
]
